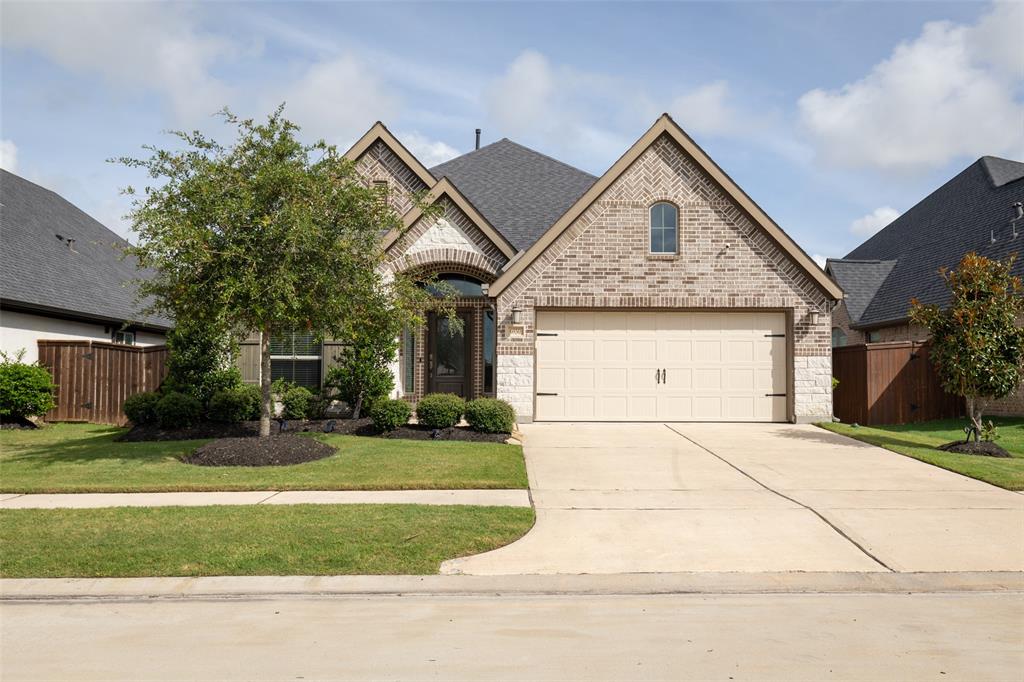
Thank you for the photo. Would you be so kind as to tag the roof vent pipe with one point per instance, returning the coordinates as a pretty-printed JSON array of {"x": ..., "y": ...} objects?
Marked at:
[{"x": 478, "y": 138}]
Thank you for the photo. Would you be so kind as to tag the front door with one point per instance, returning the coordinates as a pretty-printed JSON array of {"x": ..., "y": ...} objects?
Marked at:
[{"x": 449, "y": 369}]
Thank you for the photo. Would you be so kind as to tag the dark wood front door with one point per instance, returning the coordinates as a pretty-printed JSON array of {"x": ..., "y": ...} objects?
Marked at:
[{"x": 450, "y": 367}]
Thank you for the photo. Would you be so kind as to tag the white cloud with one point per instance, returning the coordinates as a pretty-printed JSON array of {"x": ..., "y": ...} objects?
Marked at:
[
  {"x": 429, "y": 152},
  {"x": 819, "y": 259},
  {"x": 155, "y": 46},
  {"x": 338, "y": 100},
  {"x": 952, "y": 92},
  {"x": 9, "y": 156},
  {"x": 522, "y": 100},
  {"x": 865, "y": 226},
  {"x": 706, "y": 110}
]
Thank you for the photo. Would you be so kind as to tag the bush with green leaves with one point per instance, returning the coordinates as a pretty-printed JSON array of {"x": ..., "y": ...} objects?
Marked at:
[
  {"x": 296, "y": 402},
  {"x": 25, "y": 390},
  {"x": 489, "y": 415},
  {"x": 200, "y": 362},
  {"x": 177, "y": 411},
  {"x": 387, "y": 414},
  {"x": 440, "y": 410},
  {"x": 141, "y": 407},
  {"x": 233, "y": 405},
  {"x": 362, "y": 375}
]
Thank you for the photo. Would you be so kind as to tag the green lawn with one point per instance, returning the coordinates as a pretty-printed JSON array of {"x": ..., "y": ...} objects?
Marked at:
[
  {"x": 919, "y": 441},
  {"x": 65, "y": 458},
  {"x": 248, "y": 540}
]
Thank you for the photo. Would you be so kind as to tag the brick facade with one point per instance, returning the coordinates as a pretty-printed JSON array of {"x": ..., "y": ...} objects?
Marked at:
[
  {"x": 380, "y": 164},
  {"x": 724, "y": 261}
]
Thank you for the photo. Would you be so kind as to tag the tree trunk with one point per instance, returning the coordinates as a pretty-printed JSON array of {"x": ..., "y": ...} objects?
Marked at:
[
  {"x": 974, "y": 413},
  {"x": 357, "y": 407},
  {"x": 268, "y": 402}
]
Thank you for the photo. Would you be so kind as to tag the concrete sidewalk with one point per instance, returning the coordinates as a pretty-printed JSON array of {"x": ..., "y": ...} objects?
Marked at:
[{"x": 485, "y": 498}]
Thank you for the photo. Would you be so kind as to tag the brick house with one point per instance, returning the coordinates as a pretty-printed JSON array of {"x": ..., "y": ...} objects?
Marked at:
[
  {"x": 979, "y": 210},
  {"x": 659, "y": 291}
]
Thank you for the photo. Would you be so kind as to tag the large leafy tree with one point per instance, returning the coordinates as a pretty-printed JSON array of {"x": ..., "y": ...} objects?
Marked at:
[
  {"x": 977, "y": 342},
  {"x": 264, "y": 233}
]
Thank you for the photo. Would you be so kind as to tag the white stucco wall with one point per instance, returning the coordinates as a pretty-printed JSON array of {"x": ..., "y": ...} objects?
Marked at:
[{"x": 22, "y": 330}]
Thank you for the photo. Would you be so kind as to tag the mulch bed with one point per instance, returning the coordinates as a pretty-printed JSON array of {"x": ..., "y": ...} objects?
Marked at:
[
  {"x": 259, "y": 452},
  {"x": 353, "y": 427},
  {"x": 16, "y": 423},
  {"x": 984, "y": 448}
]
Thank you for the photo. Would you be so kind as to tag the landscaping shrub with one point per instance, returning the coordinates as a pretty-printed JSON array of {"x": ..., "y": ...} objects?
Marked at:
[
  {"x": 141, "y": 407},
  {"x": 361, "y": 377},
  {"x": 388, "y": 414},
  {"x": 200, "y": 362},
  {"x": 25, "y": 390},
  {"x": 440, "y": 410},
  {"x": 177, "y": 410},
  {"x": 296, "y": 402},
  {"x": 489, "y": 415},
  {"x": 235, "y": 404}
]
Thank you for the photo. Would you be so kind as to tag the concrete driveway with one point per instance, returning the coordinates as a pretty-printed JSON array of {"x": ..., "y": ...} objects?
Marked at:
[{"x": 638, "y": 498}]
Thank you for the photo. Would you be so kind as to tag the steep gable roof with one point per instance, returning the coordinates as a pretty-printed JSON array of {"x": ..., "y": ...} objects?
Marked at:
[
  {"x": 41, "y": 269},
  {"x": 965, "y": 214},
  {"x": 522, "y": 192},
  {"x": 666, "y": 126},
  {"x": 860, "y": 280},
  {"x": 379, "y": 131},
  {"x": 444, "y": 188}
]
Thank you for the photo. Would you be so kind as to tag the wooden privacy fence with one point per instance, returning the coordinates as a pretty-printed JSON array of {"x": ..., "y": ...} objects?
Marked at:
[
  {"x": 889, "y": 383},
  {"x": 94, "y": 377}
]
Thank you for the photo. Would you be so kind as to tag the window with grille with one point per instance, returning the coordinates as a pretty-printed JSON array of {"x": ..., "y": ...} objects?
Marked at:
[
  {"x": 296, "y": 357},
  {"x": 664, "y": 228},
  {"x": 122, "y": 337}
]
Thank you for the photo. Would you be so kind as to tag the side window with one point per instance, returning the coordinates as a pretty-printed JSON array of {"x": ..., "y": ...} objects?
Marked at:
[
  {"x": 296, "y": 357},
  {"x": 664, "y": 228},
  {"x": 122, "y": 337},
  {"x": 408, "y": 360},
  {"x": 838, "y": 337}
]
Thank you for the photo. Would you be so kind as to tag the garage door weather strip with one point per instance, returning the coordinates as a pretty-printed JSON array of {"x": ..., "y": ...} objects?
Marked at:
[{"x": 786, "y": 497}]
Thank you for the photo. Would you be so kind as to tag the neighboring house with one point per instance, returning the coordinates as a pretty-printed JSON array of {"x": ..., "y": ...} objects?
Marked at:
[
  {"x": 980, "y": 210},
  {"x": 658, "y": 291},
  {"x": 62, "y": 276}
]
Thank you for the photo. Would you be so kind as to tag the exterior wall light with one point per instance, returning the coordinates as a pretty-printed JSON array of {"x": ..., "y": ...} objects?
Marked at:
[
  {"x": 815, "y": 317},
  {"x": 517, "y": 315}
]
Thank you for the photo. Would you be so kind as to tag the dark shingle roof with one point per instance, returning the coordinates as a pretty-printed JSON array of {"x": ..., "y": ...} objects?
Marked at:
[
  {"x": 39, "y": 269},
  {"x": 860, "y": 280},
  {"x": 961, "y": 216},
  {"x": 520, "y": 191}
]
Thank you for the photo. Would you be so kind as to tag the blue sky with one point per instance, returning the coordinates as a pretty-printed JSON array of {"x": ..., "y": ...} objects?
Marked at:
[{"x": 835, "y": 117}]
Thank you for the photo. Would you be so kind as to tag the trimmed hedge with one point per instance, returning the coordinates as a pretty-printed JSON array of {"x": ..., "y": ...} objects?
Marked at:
[
  {"x": 296, "y": 402},
  {"x": 177, "y": 410},
  {"x": 388, "y": 414},
  {"x": 440, "y": 410},
  {"x": 489, "y": 415},
  {"x": 234, "y": 405},
  {"x": 141, "y": 407}
]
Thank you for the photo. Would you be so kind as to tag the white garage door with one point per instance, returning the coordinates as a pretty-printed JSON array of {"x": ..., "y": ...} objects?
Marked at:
[{"x": 660, "y": 366}]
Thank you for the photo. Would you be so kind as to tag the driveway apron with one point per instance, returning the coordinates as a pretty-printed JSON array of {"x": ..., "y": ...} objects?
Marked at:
[{"x": 640, "y": 498}]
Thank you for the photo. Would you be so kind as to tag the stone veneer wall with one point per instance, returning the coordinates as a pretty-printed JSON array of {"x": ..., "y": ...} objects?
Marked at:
[{"x": 724, "y": 261}]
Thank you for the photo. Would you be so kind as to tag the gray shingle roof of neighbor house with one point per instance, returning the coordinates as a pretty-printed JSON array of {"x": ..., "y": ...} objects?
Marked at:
[
  {"x": 521, "y": 192},
  {"x": 965, "y": 214},
  {"x": 41, "y": 270},
  {"x": 860, "y": 280}
]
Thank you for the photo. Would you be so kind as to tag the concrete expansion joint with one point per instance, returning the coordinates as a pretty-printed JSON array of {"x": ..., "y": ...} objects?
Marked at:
[
  {"x": 268, "y": 497},
  {"x": 814, "y": 511}
]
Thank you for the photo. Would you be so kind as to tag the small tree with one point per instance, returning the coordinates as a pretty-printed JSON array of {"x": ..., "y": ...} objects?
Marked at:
[
  {"x": 201, "y": 361},
  {"x": 265, "y": 233},
  {"x": 976, "y": 341}
]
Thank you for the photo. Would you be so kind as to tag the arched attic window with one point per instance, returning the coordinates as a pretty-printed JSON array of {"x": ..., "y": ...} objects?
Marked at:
[{"x": 664, "y": 233}]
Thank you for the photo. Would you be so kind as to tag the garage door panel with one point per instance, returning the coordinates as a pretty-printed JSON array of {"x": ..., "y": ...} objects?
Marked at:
[
  {"x": 714, "y": 366},
  {"x": 551, "y": 379},
  {"x": 612, "y": 350},
  {"x": 550, "y": 350}
]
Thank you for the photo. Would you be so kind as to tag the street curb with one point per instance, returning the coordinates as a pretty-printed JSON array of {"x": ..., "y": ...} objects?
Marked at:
[{"x": 259, "y": 587}]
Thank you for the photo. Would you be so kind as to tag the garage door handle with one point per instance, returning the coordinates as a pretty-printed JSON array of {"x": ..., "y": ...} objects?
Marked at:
[
  {"x": 657, "y": 376},
  {"x": 664, "y": 380}
]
